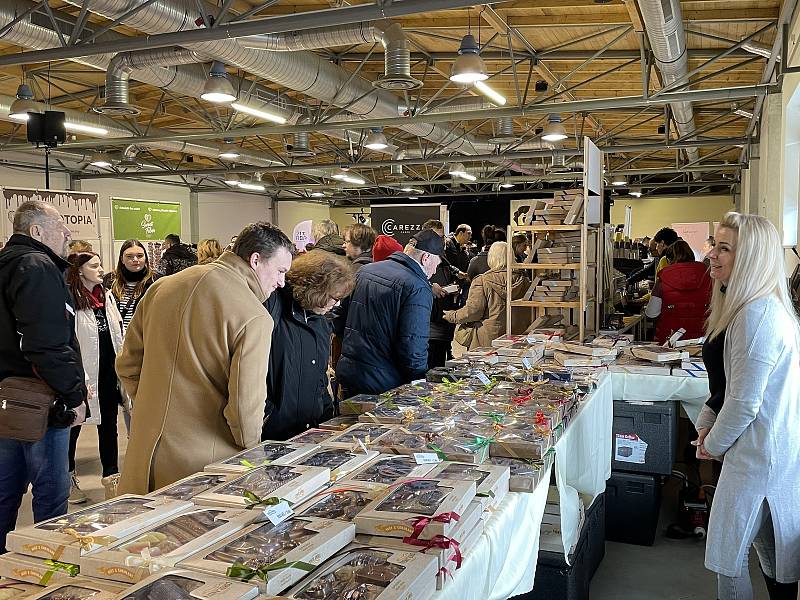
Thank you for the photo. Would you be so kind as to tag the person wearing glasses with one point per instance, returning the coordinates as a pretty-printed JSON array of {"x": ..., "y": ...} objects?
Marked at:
[{"x": 298, "y": 396}]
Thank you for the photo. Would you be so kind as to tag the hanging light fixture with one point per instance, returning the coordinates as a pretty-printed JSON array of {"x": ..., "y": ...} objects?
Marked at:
[
  {"x": 619, "y": 181},
  {"x": 23, "y": 104},
  {"x": 469, "y": 66},
  {"x": 376, "y": 140},
  {"x": 251, "y": 186},
  {"x": 262, "y": 113},
  {"x": 318, "y": 194},
  {"x": 348, "y": 178},
  {"x": 218, "y": 88},
  {"x": 554, "y": 131},
  {"x": 230, "y": 152},
  {"x": 458, "y": 170},
  {"x": 100, "y": 159},
  {"x": 232, "y": 179},
  {"x": 636, "y": 192}
]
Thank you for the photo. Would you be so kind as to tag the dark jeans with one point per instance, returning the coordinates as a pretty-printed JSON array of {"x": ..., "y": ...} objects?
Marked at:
[
  {"x": 439, "y": 352},
  {"x": 42, "y": 464},
  {"x": 106, "y": 435}
]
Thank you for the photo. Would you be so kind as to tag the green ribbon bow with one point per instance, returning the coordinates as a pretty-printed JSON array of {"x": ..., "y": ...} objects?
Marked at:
[
  {"x": 479, "y": 443},
  {"x": 439, "y": 452},
  {"x": 246, "y": 463},
  {"x": 68, "y": 568},
  {"x": 254, "y": 500},
  {"x": 497, "y": 417},
  {"x": 240, "y": 571},
  {"x": 426, "y": 399}
]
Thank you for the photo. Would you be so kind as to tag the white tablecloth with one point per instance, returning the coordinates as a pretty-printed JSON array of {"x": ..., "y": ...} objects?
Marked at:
[
  {"x": 689, "y": 391},
  {"x": 503, "y": 563}
]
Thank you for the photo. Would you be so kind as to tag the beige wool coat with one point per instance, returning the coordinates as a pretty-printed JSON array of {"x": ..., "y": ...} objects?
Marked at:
[
  {"x": 485, "y": 309},
  {"x": 194, "y": 361}
]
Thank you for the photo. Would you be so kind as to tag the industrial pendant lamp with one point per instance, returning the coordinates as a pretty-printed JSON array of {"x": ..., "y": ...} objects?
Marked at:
[
  {"x": 619, "y": 181},
  {"x": 554, "y": 131},
  {"x": 376, "y": 140},
  {"x": 217, "y": 88},
  {"x": 23, "y": 104},
  {"x": 100, "y": 159},
  {"x": 469, "y": 66}
]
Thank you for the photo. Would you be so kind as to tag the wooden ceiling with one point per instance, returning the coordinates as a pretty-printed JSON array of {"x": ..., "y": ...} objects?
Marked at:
[{"x": 550, "y": 28}]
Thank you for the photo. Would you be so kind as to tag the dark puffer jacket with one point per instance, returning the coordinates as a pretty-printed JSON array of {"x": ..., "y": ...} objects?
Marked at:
[
  {"x": 386, "y": 334},
  {"x": 37, "y": 319},
  {"x": 297, "y": 381},
  {"x": 175, "y": 259}
]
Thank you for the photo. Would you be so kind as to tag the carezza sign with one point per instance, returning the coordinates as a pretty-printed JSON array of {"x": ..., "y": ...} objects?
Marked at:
[{"x": 402, "y": 221}]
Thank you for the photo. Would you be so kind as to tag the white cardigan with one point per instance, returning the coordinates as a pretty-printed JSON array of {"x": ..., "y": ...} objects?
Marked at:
[
  {"x": 757, "y": 432},
  {"x": 89, "y": 340}
]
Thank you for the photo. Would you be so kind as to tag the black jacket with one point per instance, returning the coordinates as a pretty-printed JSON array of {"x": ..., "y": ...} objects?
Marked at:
[
  {"x": 297, "y": 381},
  {"x": 455, "y": 254},
  {"x": 175, "y": 259},
  {"x": 365, "y": 258},
  {"x": 440, "y": 329},
  {"x": 37, "y": 319},
  {"x": 479, "y": 264}
]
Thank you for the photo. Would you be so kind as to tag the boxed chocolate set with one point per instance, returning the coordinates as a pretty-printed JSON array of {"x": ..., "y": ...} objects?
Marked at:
[
  {"x": 361, "y": 573},
  {"x": 188, "y": 487},
  {"x": 280, "y": 453},
  {"x": 339, "y": 461},
  {"x": 69, "y": 537},
  {"x": 79, "y": 588},
  {"x": 359, "y": 404},
  {"x": 491, "y": 480},
  {"x": 313, "y": 436},
  {"x": 366, "y": 435},
  {"x": 274, "y": 557},
  {"x": 422, "y": 508},
  {"x": 37, "y": 571},
  {"x": 387, "y": 469},
  {"x": 342, "y": 501},
  {"x": 11, "y": 589},
  {"x": 267, "y": 485},
  {"x": 182, "y": 584},
  {"x": 164, "y": 545}
]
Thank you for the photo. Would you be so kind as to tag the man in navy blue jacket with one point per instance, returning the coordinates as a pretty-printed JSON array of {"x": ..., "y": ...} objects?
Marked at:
[{"x": 386, "y": 336}]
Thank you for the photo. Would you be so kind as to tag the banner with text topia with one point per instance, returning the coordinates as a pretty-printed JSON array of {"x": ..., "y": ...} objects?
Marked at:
[
  {"x": 148, "y": 221},
  {"x": 401, "y": 221},
  {"x": 79, "y": 210}
]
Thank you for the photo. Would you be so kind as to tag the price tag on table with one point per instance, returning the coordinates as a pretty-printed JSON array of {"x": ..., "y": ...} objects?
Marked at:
[
  {"x": 526, "y": 362},
  {"x": 278, "y": 513},
  {"x": 426, "y": 458},
  {"x": 483, "y": 378}
]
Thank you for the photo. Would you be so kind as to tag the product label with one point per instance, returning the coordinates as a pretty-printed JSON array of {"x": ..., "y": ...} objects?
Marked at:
[
  {"x": 278, "y": 513},
  {"x": 629, "y": 448},
  {"x": 526, "y": 362},
  {"x": 426, "y": 458},
  {"x": 483, "y": 378}
]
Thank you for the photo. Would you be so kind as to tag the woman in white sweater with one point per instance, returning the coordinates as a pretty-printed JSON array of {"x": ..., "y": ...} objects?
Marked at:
[{"x": 756, "y": 431}]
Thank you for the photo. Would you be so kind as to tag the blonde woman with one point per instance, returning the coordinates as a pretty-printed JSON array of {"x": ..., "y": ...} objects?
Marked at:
[
  {"x": 483, "y": 317},
  {"x": 754, "y": 431},
  {"x": 208, "y": 251}
]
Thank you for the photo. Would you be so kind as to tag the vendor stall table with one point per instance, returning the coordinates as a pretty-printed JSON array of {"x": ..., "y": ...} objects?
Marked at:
[{"x": 691, "y": 392}]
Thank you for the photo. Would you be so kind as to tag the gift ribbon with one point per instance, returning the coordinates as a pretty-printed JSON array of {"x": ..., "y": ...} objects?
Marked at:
[
  {"x": 147, "y": 561},
  {"x": 540, "y": 418},
  {"x": 446, "y": 572},
  {"x": 244, "y": 573},
  {"x": 246, "y": 463},
  {"x": 87, "y": 542},
  {"x": 420, "y": 523},
  {"x": 438, "y": 541},
  {"x": 55, "y": 566},
  {"x": 439, "y": 452},
  {"x": 254, "y": 500}
]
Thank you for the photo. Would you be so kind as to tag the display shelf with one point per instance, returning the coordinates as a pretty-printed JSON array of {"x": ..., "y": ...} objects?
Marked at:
[
  {"x": 535, "y": 304},
  {"x": 546, "y": 266}
]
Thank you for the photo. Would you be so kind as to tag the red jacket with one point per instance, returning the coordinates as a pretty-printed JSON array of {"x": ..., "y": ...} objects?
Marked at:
[{"x": 685, "y": 300}]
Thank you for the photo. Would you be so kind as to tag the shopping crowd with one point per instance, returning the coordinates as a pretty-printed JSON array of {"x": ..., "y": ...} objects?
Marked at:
[{"x": 213, "y": 351}]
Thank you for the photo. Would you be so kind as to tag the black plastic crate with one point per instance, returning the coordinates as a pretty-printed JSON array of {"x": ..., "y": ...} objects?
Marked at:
[
  {"x": 555, "y": 580},
  {"x": 633, "y": 503},
  {"x": 655, "y": 425}
]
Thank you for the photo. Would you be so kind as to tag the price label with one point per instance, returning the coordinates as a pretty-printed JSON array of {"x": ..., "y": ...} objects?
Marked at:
[
  {"x": 278, "y": 513},
  {"x": 483, "y": 378},
  {"x": 426, "y": 458},
  {"x": 526, "y": 362}
]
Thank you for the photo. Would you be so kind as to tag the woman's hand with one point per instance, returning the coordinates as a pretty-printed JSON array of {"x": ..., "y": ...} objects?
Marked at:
[
  {"x": 701, "y": 452},
  {"x": 448, "y": 316}
]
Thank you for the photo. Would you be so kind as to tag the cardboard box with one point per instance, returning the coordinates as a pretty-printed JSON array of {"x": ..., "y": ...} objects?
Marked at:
[
  {"x": 339, "y": 423},
  {"x": 37, "y": 571},
  {"x": 279, "y": 453},
  {"x": 313, "y": 436},
  {"x": 164, "y": 545},
  {"x": 491, "y": 480},
  {"x": 188, "y": 487},
  {"x": 386, "y": 469},
  {"x": 294, "y": 483},
  {"x": 398, "y": 509},
  {"x": 298, "y": 540},
  {"x": 342, "y": 501},
  {"x": 340, "y": 461},
  {"x": 402, "y": 575},
  {"x": 521, "y": 444},
  {"x": 69, "y": 537},
  {"x": 15, "y": 590},
  {"x": 368, "y": 434},
  {"x": 358, "y": 404},
  {"x": 181, "y": 583},
  {"x": 77, "y": 587}
]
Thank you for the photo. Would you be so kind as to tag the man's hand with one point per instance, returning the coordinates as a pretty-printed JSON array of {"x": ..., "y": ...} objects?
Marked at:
[
  {"x": 462, "y": 275},
  {"x": 438, "y": 291}
]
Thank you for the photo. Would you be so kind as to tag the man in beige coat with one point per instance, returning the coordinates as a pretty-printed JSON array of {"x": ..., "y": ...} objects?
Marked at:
[{"x": 194, "y": 361}]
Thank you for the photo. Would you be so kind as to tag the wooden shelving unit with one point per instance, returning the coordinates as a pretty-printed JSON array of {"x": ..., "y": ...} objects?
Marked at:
[{"x": 579, "y": 315}]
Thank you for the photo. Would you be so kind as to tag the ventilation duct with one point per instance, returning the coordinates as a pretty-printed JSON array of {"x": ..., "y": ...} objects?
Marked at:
[
  {"x": 505, "y": 132},
  {"x": 664, "y": 24},
  {"x": 300, "y": 146},
  {"x": 396, "y": 170}
]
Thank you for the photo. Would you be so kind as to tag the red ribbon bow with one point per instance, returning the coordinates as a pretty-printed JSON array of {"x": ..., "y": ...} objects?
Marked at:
[
  {"x": 540, "y": 418},
  {"x": 519, "y": 400},
  {"x": 446, "y": 572},
  {"x": 438, "y": 541},
  {"x": 420, "y": 523}
]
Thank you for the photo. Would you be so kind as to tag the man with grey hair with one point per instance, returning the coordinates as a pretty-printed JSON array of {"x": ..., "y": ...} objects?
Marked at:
[
  {"x": 387, "y": 324},
  {"x": 37, "y": 339}
]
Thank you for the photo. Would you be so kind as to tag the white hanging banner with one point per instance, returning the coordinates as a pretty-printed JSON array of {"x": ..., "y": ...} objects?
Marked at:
[{"x": 79, "y": 209}]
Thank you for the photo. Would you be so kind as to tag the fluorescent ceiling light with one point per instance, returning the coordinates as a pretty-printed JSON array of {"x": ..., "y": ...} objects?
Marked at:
[
  {"x": 413, "y": 197},
  {"x": 255, "y": 187},
  {"x": 376, "y": 140},
  {"x": 554, "y": 131},
  {"x": 506, "y": 185},
  {"x": 619, "y": 180},
  {"x": 458, "y": 170},
  {"x": 743, "y": 113},
  {"x": 21, "y": 117},
  {"x": 232, "y": 179},
  {"x": 81, "y": 128},
  {"x": 635, "y": 192},
  {"x": 494, "y": 96},
  {"x": 100, "y": 159},
  {"x": 217, "y": 88},
  {"x": 318, "y": 194},
  {"x": 229, "y": 155},
  {"x": 469, "y": 66},
  {"x": 349, "y": 178},
  {"x": 258, "y": 113}
]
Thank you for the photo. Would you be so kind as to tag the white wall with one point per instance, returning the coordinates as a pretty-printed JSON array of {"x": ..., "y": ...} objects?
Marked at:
[
  {"x": 224, "y": 214},
  {"x": 289, "y": 213}
]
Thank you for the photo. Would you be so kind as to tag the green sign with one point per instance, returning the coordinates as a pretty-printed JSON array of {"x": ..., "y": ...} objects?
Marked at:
[{"x": 144, "y": 219}]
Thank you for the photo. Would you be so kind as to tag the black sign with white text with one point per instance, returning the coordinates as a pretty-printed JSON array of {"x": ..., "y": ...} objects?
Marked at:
[{"x": 402, "y": 221}]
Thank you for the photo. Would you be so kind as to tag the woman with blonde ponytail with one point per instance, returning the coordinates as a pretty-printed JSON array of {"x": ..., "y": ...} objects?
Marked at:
[{"x": 751, "y": 422}]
